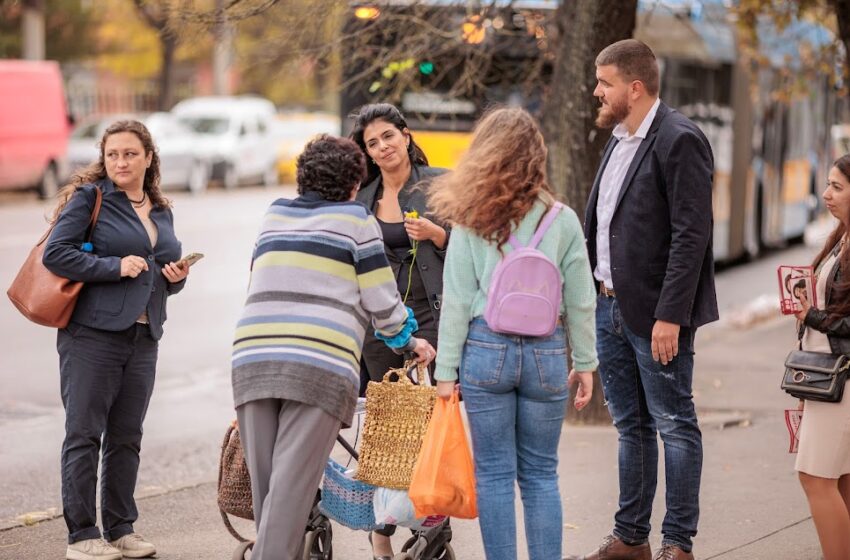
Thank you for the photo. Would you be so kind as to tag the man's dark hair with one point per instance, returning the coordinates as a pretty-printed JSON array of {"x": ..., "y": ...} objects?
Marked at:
[
  {"x": 634, "y": 61},
  {"x": 331, "y": 167}
]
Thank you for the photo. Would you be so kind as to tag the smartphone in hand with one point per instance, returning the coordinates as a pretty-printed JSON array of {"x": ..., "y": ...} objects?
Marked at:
[{"x": 190, "y": 259}]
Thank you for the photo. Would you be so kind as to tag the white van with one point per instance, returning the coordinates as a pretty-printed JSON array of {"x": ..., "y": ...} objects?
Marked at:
[{"x": 237, "y": 136}]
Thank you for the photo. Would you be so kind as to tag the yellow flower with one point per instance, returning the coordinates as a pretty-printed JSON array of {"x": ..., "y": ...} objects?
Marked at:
[{"x": 413, "y": 214}]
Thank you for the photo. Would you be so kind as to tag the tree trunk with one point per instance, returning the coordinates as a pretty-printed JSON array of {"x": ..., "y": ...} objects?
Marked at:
[
  {"x": 223, "y": 34},
  {"x": 166, "y": 78},
  {"x": 585, "y": 27},
  {"x": 842, "y": 14},
  {"x": 32, "y": 30}
]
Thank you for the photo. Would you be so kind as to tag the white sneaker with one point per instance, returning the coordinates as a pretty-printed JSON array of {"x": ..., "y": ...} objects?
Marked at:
[
  {"x": 92, "y": 549},
  {"x": 134, "y": 546}
]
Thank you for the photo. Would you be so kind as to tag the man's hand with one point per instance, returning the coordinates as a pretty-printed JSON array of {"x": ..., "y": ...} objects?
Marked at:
[
  {"x": 424, "y": 351},
  {"x": 665, "y": 341},
  {"x": 585, "y": 387},
  {"x": 445, "y": 389}
]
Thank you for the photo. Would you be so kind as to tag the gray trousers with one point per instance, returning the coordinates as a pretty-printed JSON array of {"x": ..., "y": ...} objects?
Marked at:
[{"x": 287, "y": 445}]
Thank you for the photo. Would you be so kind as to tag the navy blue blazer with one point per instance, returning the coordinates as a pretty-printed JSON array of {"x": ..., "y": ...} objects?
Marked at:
[
  {"x": 108, "y": 301},
  {"x": 662, "y": 261}
]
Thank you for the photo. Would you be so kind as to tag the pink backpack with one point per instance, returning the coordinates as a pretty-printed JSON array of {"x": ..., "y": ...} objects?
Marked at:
[{"x": 526, "y": 288}]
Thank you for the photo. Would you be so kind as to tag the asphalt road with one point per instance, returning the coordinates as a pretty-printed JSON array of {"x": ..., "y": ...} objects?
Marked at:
[{"x": 192, "y": 401}]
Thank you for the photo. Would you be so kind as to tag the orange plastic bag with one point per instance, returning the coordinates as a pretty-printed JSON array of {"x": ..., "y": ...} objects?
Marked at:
[{"x": 443, "y": 480}]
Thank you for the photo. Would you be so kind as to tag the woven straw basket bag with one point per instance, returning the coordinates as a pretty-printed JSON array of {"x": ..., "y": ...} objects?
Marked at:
[
  {"x": 397, "y": 415},
  {"x": 234, "y": 482}
]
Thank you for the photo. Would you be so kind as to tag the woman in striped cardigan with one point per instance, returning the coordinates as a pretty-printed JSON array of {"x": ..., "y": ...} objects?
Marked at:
[{"x": 319, "y": 280}]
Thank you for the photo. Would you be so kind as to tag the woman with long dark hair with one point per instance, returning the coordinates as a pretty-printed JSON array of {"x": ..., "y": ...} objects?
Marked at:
[
  {"x": 396, "y": 190},
  {"x": 108, "y": 351},
  {"x": 823, "y": 460}
]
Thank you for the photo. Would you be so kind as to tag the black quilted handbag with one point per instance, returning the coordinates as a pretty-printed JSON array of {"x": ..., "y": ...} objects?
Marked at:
[{"x": 815, "y": 376}]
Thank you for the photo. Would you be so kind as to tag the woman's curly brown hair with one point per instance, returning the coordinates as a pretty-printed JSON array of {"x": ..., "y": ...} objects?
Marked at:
[
  {"x": 331, "y": 167},
  {"x": 497, "y": 180},
  {"x": 97, "y": 170}
]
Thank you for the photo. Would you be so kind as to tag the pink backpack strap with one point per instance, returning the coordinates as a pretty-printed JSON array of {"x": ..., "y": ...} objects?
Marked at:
[
  {"x": 541, "y": 231},
  {"x": 544, "y": 225}
]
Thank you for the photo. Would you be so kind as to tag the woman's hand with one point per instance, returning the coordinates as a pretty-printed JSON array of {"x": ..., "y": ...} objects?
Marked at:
[
  {"x": 174, "y": 273},
  {"x": 445, "y": 389},
  {"x": 585, "y": 387},
  {"x": 425, "y": 353},
  {"x": 421, "y": 229},
  {"x": 132, "y": 266},
  {"x": 801, "y": 315}
]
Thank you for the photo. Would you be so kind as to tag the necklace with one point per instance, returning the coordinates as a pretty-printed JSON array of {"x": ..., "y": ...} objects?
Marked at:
[{"x": 139, "y": 203}]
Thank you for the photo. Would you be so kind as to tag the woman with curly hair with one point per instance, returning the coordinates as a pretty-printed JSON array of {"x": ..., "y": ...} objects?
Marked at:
[
  {"x": 514, "y": 387},
  {"x": 319, "y": 281},
  {"x": 108, "y": 351}
]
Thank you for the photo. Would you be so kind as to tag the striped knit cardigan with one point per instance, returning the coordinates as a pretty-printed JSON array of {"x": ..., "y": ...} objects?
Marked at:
[{"x": 319, "y": 278}]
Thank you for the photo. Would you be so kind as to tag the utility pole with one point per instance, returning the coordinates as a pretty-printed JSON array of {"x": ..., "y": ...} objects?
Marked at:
[
  {"x": 223, "y": 33},
  {"x": 32, "y": 30}
]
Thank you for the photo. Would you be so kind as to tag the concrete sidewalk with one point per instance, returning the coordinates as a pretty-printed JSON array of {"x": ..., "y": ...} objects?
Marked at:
[{"x": 752, "y": 505}]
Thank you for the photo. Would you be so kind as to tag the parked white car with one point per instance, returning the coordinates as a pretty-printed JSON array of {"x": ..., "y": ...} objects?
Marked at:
[
  {"x": 182, "y": 164},
  {"x": 237, "y": 135}
]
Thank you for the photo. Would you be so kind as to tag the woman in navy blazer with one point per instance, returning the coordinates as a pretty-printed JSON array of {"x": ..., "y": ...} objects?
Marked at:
[{"x": 108, "y": 352}]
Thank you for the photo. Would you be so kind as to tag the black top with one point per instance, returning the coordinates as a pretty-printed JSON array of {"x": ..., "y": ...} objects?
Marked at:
[{"x": 395, "y": 238}]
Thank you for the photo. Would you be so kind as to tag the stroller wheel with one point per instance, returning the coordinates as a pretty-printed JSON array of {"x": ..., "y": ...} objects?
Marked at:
[
  {"x": 447, "y": 553},
  {"x": 318, "y": 543}
]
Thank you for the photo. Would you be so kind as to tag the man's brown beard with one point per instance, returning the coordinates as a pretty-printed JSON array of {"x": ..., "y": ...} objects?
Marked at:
[{"x": 613, "y": 116}]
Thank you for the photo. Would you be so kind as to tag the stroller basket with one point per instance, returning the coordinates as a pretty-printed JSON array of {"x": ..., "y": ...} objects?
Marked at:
[{"x": 347, "y": 501}]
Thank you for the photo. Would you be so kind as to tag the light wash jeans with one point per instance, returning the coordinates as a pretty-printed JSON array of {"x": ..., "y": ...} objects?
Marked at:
[{"x": 515, "y": 391}]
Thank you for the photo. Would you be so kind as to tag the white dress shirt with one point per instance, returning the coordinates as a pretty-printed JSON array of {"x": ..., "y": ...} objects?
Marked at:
[{"x": 609, "y": 190}]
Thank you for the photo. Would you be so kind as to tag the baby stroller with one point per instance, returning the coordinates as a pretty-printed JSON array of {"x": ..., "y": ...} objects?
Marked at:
[
  {"x": 234, "y": 498},
  {"x": 432, "y": 543}
]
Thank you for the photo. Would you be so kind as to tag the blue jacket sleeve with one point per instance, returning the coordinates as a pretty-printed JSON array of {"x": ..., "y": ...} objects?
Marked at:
[{"x": 63, "y": 255}]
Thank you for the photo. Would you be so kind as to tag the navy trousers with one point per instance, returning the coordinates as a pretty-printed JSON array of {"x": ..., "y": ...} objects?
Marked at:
[{"x": 107, "y": 379}]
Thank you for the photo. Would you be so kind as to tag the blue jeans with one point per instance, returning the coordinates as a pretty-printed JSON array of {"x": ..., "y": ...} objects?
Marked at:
[
  {"x": 515, "y": 390},
  {"x": 646, "y": 397}
]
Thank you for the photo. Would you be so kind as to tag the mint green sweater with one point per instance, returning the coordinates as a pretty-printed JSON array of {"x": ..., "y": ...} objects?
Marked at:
[{"x": 469, "y": 265}]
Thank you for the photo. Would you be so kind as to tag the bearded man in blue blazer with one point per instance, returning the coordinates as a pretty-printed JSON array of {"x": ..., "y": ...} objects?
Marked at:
[{"x": 648, "y": 227}]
